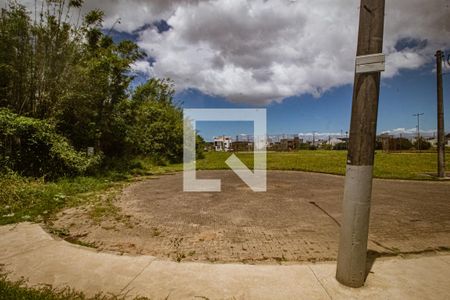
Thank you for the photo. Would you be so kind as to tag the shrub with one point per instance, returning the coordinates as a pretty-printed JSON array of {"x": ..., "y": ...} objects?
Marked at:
[
  {"x": 341, "y": 146},
  {"x": 32, "y": 147},
  {"x": 422, "y": 144}
]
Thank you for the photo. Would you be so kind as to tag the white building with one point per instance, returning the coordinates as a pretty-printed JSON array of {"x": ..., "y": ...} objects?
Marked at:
[
  {"x": 433, "y": 142},
  {"x": 334, "y": 141},
  {"x": 222, "y": 144}
]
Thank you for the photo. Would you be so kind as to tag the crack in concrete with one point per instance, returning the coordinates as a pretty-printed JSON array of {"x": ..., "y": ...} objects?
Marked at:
[
  {"x": 135, "y": 277},
  {"x": 320, "y": 282}
]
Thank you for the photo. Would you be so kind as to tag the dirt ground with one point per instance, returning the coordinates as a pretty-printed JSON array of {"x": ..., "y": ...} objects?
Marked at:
[{"x": 296, "y": 220}]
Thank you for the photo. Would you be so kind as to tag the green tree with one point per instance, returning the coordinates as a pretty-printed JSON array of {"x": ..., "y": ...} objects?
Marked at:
[
  {"x": 15, "y": 56},
  {"x": 77, "y": 79},
  {"x": 422, "y": 144},
  {"x": 91, "y": 114},
  {"x": 156, "y": 123},
  {"x": 403, "y": 144}
]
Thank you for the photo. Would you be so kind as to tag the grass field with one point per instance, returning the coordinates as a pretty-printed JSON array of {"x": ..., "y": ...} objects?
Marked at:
[
  {"x": 387, "y": 165},
  {"x": 25, "y": 199}
]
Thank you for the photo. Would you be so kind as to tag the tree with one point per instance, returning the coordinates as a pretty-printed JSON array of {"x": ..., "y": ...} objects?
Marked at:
[
  {"x": 422, "y": 144},
  {"x": 403, "y": 144},
  {"x": 156, "y": 123},
  {"x": 95, "y": 100},
  {"x": 15, "y": 55},
  {"x": 77, "y": 79},
  {"x": 159, "y": 90}
]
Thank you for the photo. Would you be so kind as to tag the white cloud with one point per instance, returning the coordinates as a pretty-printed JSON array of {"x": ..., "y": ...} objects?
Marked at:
[
  {"x": 135, "y": 13},
  {"x": 264, "y": 50},
  {"x": 408, "y": 131},
  {"x": 322, "y": 134},
  {"x": 403, "y": 60},
  {"x": 256, "y": 51},
  {"x": 142, "y": 67}
]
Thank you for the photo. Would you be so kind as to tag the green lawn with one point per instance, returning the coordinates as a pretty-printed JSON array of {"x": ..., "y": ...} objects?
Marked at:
[{"x": 387, "y": 165}]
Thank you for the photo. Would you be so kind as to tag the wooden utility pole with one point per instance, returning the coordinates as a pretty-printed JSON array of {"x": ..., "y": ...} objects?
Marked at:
[
  {"x": 351, "y": 268},
  {"x": 440, "y": 106}
]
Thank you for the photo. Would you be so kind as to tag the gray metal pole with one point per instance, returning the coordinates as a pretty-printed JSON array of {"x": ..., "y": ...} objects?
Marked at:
[
  {"x": 419, "y": 140},
  {"x": 351, "y": 267},
  {"x": 440, "y": 105}
]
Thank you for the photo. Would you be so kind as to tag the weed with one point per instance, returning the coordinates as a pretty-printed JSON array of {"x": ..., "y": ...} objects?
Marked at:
[{"x": 19, "y": 290}]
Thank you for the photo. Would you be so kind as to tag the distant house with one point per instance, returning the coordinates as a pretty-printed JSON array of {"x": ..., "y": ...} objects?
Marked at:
[
  {"x": 223, "y": 144},
  {"x": 242, "y": 146},
  {"x": 334, "y": 141},
  {"x": 286, "y": 144},
  {"x": 433, "y": 141},
  {"x": 290, "y": 144},
  {"x": 387, "y": 142}
]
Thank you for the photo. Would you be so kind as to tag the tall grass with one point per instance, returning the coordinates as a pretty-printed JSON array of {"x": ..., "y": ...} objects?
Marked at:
[{"x": 25, "y": 199}]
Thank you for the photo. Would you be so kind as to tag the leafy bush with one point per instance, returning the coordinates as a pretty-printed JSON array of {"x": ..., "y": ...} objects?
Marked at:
[
  {"x": 33, "y": 148},
  {"x": 341, "y": 146},
  {"x": 422, "y": 144}
]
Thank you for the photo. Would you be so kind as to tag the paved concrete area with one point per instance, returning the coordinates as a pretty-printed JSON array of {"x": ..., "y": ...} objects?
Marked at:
[
  {"x": 297, "y": 220},
  {"x": 27, "y": 250}
]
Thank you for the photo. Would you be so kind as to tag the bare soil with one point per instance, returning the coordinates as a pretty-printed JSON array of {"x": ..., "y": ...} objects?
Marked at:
[{"x": 297, "y": 220}]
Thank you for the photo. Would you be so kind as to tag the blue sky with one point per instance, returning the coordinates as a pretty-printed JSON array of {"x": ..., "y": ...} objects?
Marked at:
[
  {"x": 402, "y": 96},
  {"x": 238, "y": 54}
]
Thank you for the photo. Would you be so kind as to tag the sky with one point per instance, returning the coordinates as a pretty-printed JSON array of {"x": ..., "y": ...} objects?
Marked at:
[{"x": 294, "y": 57}]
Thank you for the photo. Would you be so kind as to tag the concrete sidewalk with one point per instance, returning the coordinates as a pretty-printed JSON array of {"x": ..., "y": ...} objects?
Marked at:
[{"x": 27, "y": 250}]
